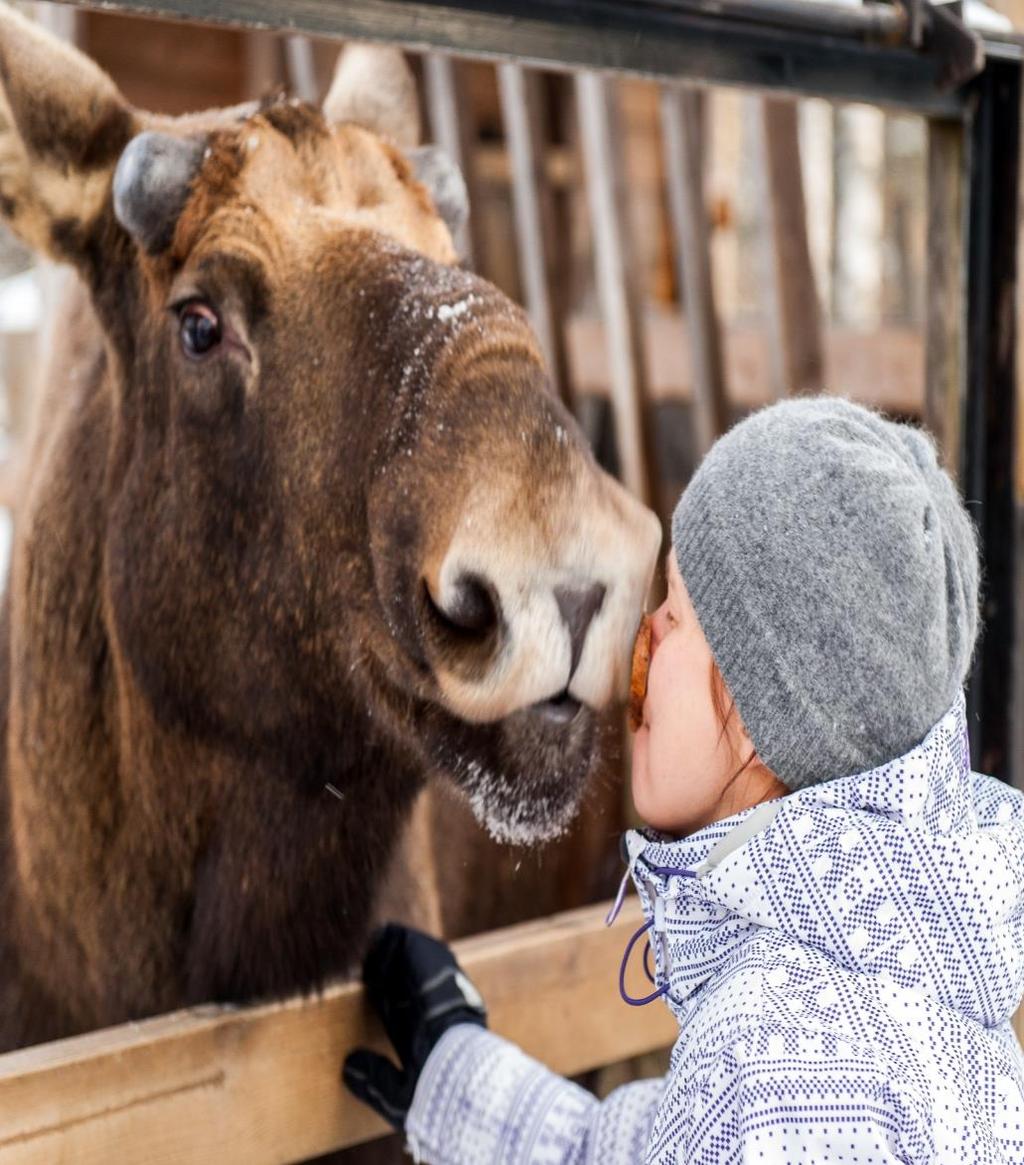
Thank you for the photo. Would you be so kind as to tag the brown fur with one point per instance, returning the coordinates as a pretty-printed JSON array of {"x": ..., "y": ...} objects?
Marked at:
[{"x": 219, "y": 592}]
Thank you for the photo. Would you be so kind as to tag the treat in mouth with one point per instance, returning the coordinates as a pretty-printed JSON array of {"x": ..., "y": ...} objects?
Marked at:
[{"x": 638, "y": 677}]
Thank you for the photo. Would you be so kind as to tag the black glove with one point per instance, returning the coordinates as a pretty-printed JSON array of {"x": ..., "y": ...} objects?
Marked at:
[{"x": 419, "y": 991}]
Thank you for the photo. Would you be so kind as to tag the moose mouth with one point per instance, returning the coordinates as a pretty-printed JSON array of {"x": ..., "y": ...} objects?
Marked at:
[
  {"x": 560, "y": 710},
  {"x": 524, "y": 776}
]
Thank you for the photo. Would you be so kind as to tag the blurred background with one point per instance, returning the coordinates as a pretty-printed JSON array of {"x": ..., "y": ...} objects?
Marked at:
[{"x": 832, "y": 196}]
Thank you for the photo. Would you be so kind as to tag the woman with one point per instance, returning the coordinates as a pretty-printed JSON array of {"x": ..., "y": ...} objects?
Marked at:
[{"x": 834, "y": 901}]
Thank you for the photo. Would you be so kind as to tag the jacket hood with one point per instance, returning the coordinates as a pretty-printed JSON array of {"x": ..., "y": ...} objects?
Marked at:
[{"x": 914, "y": 869}]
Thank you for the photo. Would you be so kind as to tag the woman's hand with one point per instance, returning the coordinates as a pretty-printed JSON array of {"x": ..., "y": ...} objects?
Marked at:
[{"x": 419, "y": 991}]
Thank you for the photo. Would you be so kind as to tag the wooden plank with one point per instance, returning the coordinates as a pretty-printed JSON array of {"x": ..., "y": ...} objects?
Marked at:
[
  {"x": 617, "y": 285},
  {"x": 884, "y": 369},
  {"x": 945, "y": 310},
  {"x": 904, "y": 216},
  {"x": 451, "y": 131},
  {"x": 531, "y": 200},
  {"x": 793, "y": 310},
  {"x": 213, "y": 1086},
  {"x": 261, "y": 64},
  {"x": 165, "y": 67},
  {"x": 682, "y": 114}
]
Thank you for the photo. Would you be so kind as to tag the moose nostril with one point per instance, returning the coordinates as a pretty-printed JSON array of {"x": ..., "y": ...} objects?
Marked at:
[
  {"x": 578, "y": 606},
  {"x": 473, "y": 607}
]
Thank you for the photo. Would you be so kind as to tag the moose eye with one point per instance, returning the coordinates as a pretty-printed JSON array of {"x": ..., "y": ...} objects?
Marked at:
[{"x": 199, "y": 328}]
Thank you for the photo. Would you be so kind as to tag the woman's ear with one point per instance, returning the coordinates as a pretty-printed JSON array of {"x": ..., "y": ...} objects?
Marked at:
[
  {"x": 444, "y": 183},
  {"x": 63, "y": 126}
]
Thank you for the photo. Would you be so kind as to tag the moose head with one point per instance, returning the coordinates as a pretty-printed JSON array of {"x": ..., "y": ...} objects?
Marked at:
[{"x": 321, "y": 494}]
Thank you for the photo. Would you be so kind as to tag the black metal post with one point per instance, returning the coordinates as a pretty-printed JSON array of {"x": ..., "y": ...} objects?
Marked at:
[{"x": 989, "y": 423}]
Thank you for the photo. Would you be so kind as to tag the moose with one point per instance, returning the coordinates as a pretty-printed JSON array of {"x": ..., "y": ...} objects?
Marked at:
[{"x": 303, "y": 526}]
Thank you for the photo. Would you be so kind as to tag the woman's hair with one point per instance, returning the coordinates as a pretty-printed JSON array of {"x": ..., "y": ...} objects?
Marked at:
[{"x": 719, "y": 691}]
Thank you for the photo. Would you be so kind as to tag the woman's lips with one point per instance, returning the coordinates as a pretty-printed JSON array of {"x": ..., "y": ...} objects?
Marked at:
[{"x": 638, "y": 676}]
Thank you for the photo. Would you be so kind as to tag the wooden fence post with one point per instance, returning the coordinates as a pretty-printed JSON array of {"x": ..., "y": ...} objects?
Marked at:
[{"x": 794, "y": 312}]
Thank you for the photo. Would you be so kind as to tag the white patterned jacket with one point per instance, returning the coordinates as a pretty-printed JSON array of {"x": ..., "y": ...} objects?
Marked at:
[{"x": 843, "y": 963}]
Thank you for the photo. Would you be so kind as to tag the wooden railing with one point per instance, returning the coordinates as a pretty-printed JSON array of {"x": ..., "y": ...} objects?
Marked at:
[{"x": 261, "y": 1085}]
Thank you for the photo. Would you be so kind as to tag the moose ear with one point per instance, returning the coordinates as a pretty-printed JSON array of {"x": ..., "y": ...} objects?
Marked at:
[
  {"x": 444, "y": 183},
  {"x": 151, "y": 186},
  {"x": 374, "y": 86},
  {"x": 63, "y": 126}
]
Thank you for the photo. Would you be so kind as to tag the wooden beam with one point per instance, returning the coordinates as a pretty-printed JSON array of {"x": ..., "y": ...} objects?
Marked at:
[
  {"x": 531, "y": 200},
  {"x": 904, "y": 202},
  {"x": 617, "y": 285},
  {"x": 793, "y": 310},
  {"x": 682, "y": 116},
  {"x": 262, "y": 65},
  {"x": 945, "y": 311},
  {"x": 260, "y": 1085}
]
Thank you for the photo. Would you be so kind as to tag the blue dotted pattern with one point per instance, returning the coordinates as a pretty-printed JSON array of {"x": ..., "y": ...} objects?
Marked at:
[
  {"x": 843, "y": 982},
  {"x": 844, "y": 979}
]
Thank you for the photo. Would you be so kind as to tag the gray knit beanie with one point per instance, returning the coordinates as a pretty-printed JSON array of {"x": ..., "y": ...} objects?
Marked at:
[{"x": 834, "y": 572}]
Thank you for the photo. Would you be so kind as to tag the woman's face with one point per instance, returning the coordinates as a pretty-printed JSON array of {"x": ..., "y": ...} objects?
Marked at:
[{"x": 683, "y": 763}]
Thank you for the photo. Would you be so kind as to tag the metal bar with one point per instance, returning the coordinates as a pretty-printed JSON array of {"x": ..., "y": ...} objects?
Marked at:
[
  {"x": 656, "y": 40},
  {"x": 681, "y": 114},
  {"x": 531, "y": 202},
  {"x": 301, "y": 68},
  {"x": 617, "y": 287},
  {"x": 990, "y": 421},
  {"x": 448, "y": 126},
  {"x": 880, "y": 23},
  {"x": 946, "y": 315}
]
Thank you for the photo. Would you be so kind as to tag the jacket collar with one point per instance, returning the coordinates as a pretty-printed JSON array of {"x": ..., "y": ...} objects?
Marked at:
[{"x": 879, "y": 869}]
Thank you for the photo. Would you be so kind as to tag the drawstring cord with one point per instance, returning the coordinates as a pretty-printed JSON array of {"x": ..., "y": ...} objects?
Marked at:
[
  {"x": 626, "y": 997},
  {"x": 614, "y": 913},
  {"x": 647, "y": 965},
  {"x": 682, "y": 871},
  {"x": 620, "y": 897}
]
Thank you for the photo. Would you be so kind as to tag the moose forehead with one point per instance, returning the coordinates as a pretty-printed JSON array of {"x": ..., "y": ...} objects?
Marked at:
[{"x": 258, "y": 187}]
